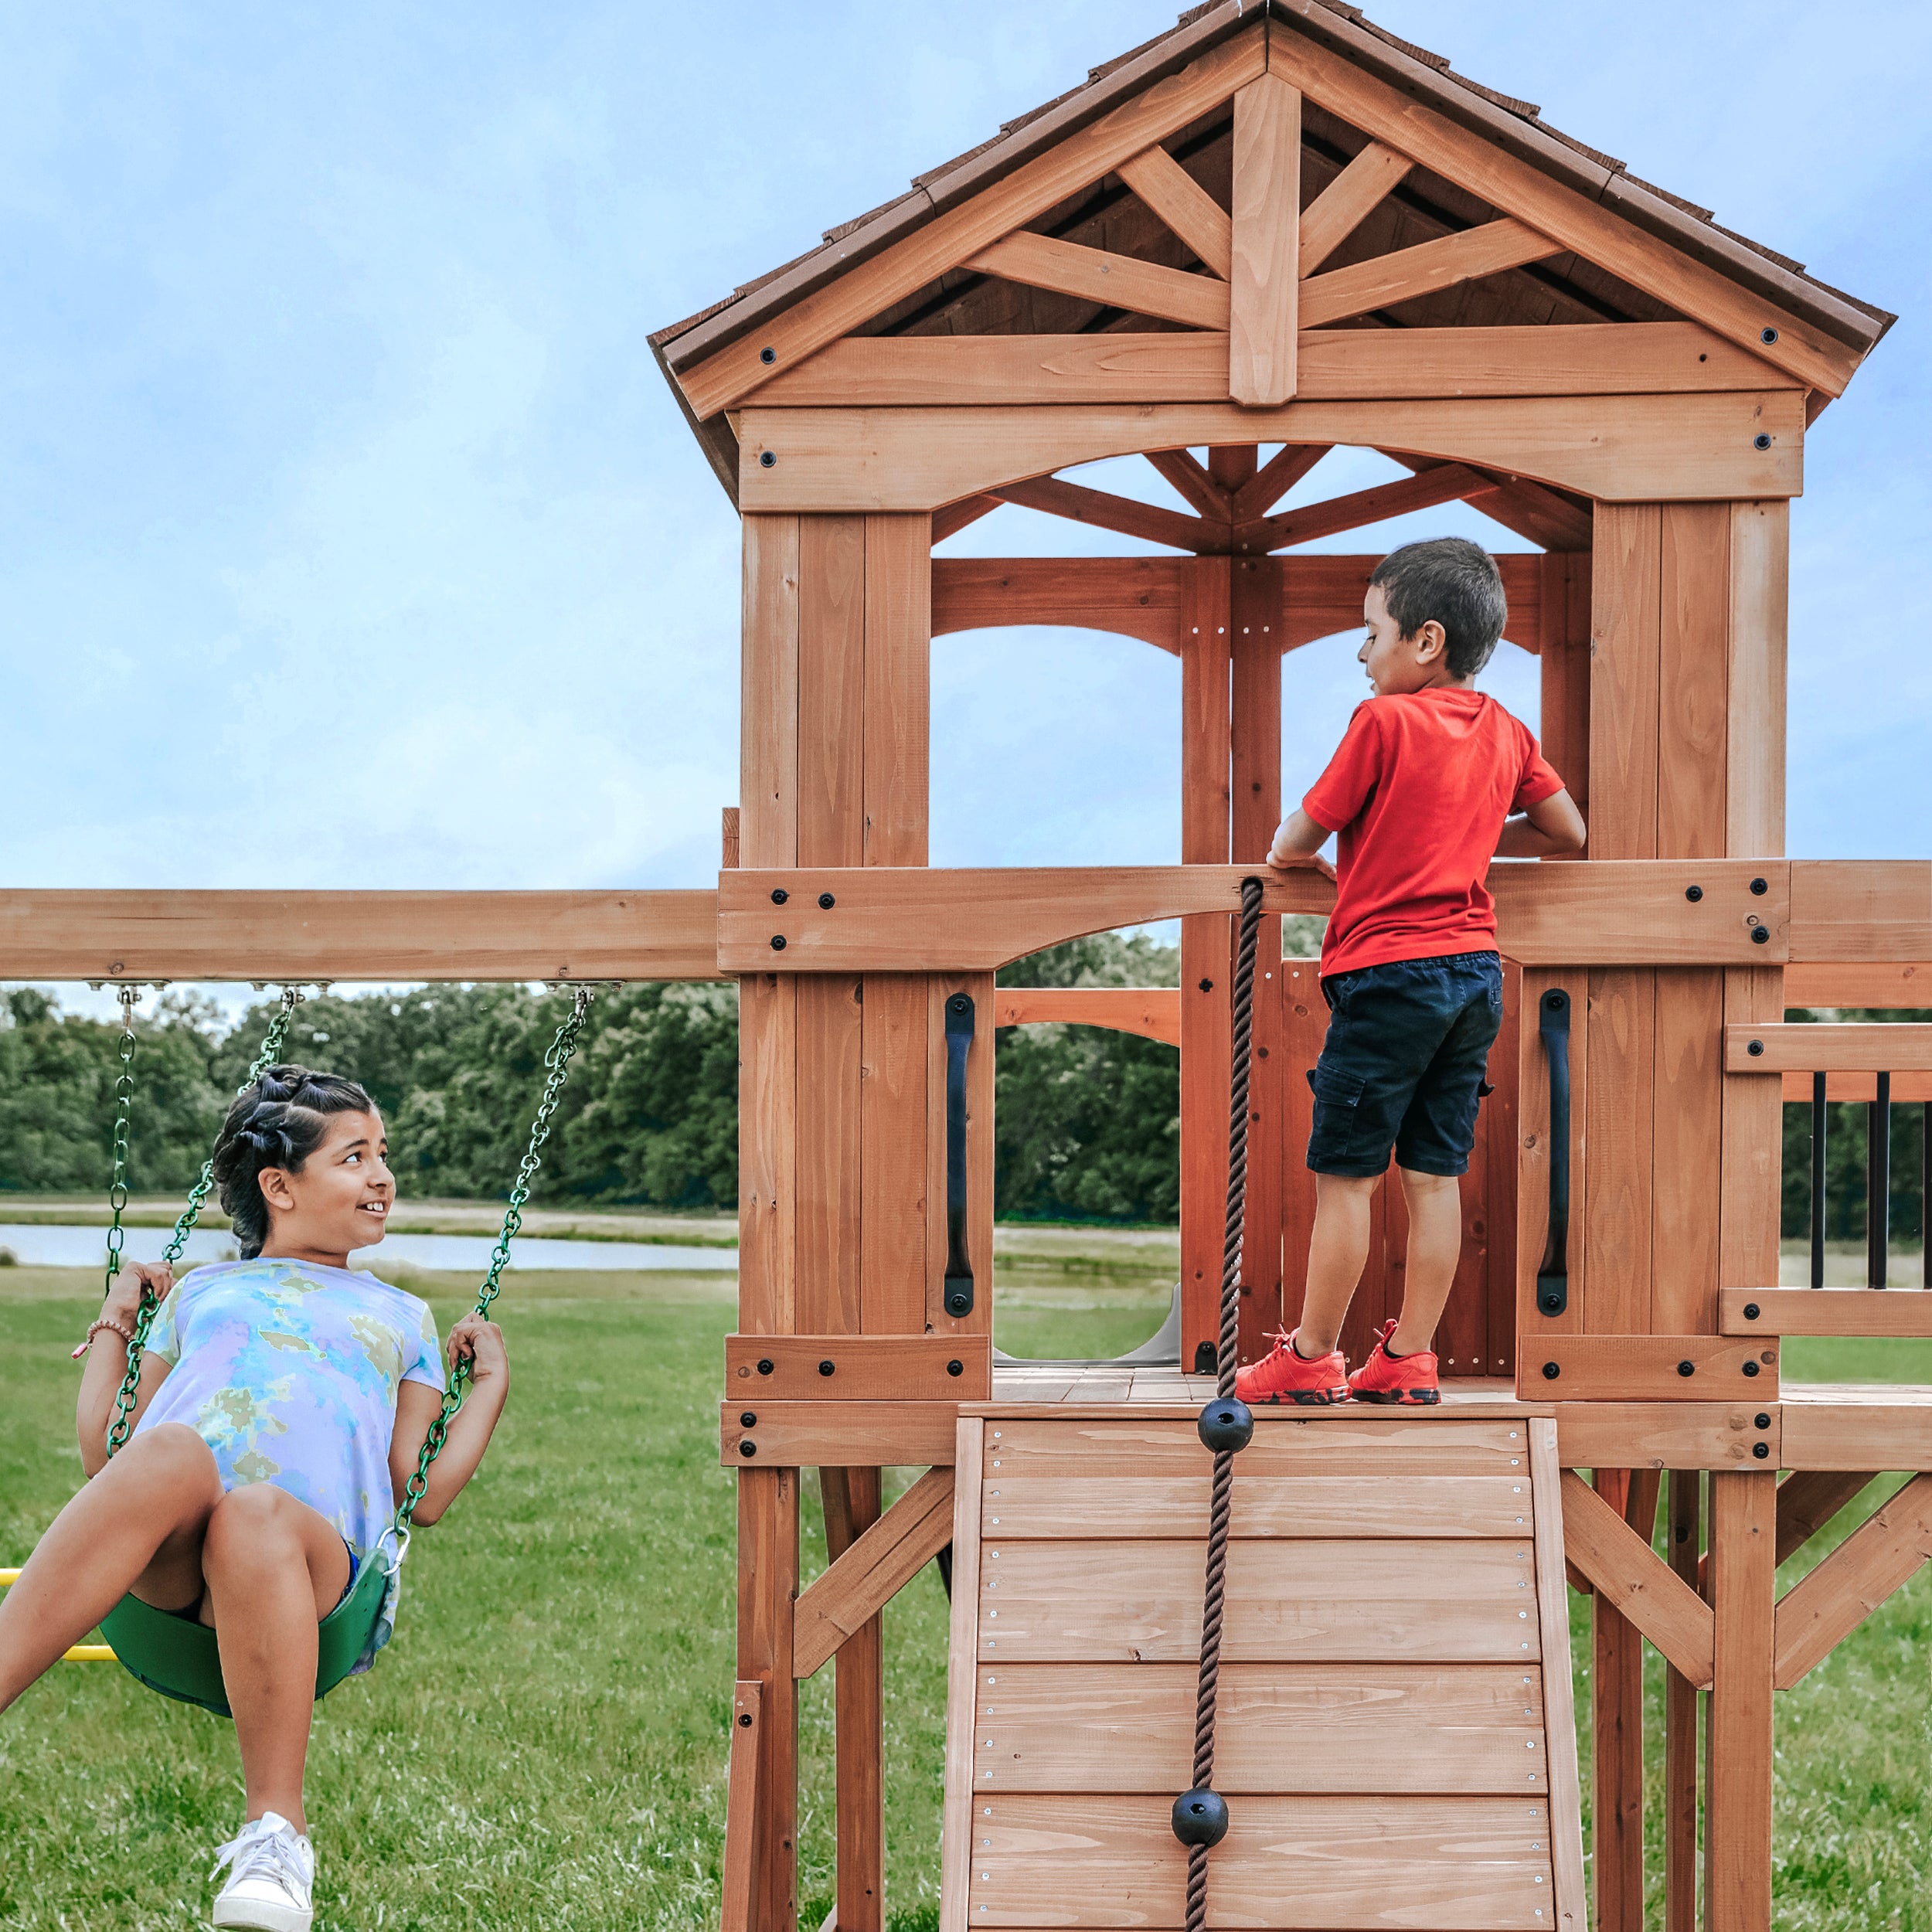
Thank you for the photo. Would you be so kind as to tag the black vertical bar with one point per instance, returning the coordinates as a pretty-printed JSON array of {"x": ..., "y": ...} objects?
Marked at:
[
  {"x": 1878, "y": 1184},
  {"x": 1819, "y": 1116},
  {"x": 1925, "y": 1193},
  {"x": 959, "y": 1267}
]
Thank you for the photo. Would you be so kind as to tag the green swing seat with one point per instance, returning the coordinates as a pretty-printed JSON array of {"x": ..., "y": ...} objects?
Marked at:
[{"x": 181, "y": 1658}]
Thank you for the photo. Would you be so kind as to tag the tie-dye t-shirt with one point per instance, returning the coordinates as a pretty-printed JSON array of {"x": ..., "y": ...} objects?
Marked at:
[{"x": 289, "y": 1372}]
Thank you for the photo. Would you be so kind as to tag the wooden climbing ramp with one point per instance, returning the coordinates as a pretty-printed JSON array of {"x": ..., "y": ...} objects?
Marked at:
[{"x": 1396, "y": 1739}]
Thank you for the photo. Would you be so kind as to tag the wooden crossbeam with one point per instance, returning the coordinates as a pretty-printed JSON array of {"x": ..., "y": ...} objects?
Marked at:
[
  {"x": 955, "y": 517},
  {"x": 378, "y": 935},
  {"x": 1149, "y": 521},
  {"x": 1545, "y": 516},
  {"x": 1183, "y": 204},
  {"x": 1847, "y": 1311},
  {"x": 1444, "y": 484},
  {"x": 873, "y": 1571},
  {"x": 741, "y": 1807},
  {"x": 1835, "y": 1049},
  {"x": 1347, "y": 201},
  {"x": 1141, "y": 596},
  {"x": 1808, "y": 1499},
  {"x": 1179, "y": 468},
  {"x": 1152, "y": 1011},
  {"x": 1906, "y": 1087},
  {"x": 1899, "y": 984},
  {"x": 1818, "y": 1614},
  {"x": 1628, "y": 1573},
  {"x": 1264, "y": 282},
  {"x": 1275, "y": 479},
  {"x": 1421, "y": 271},
  {"x": 1116, "y": 281}
]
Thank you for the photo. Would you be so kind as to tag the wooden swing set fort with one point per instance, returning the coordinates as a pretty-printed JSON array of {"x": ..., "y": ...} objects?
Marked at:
[{"x": 1274, "y": 229}]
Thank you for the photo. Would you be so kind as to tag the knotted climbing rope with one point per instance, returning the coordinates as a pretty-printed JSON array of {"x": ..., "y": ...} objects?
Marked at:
[{"x": 1201, "y": 1815}]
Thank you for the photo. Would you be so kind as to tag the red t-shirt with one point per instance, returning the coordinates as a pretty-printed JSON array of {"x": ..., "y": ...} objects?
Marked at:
[{"x": 1418, "y": 790}]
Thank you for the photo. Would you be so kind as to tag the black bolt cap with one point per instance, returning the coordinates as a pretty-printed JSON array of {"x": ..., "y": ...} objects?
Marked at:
[
  {"x": 1750, "y": 1311},
  {"x": 827, "y": 1366},
  {"x": 1226, "y": 1423},
  {"x": 955, "y": 1368},
  {"x": 1207, "y": 986},
  {"x": 1687, "y": 1368},
  {"x": 1751, "y": 1368},
  {"x": 1200, "y": 1817},
  {"x": 748, "y": 1421},
  {"x": 1693, "y": 893},
  {"x": 1762, "y": 1419},
  {"x": 1759, "y": 887},
  {"x": 1760, "y": 441},
  {"x": 1756, "y": 1050},
  {"x": 1551, "y": 1371},
  {"x": 744, "y": 1720},
  {"x": 826, "y": 902},
  {"x": 768, "y": 356},
  {"x": 747, "y": 1448},
  {"x": 768, "y": 459},
  {"x": 1762, "y": 1450},
  {"x": 1761, "y": 936},
  {"x": 779, "y": 895},
  {"x": 764, "y": 1365},
  {"x": 1767, "y": 336},
  {"x": 777, "y": 942}
]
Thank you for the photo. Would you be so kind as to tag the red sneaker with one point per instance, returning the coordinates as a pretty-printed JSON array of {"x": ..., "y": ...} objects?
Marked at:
[
  {"x": 1282, "y": 1375},
  {"x": 1409, "y": 1379}
]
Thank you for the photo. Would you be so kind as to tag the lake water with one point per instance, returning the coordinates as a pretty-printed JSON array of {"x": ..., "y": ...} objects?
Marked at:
[{"x": 86, "y": 1247}]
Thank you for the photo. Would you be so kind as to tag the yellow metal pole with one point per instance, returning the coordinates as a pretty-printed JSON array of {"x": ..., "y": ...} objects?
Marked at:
[{"x": 80, "y": 1653}]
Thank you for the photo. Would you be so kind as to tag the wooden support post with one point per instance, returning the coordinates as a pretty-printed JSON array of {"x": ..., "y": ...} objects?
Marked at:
[
  {"x": 1680, "y": 1721},
  {"x": 767, "y": 1588},
  {"x": 1206, "y": 674},
  {"x": 1616, "y": 1680},
  {"x": 852, "y": 1507},
  {"x": 1563, "y": 664},
  {"x": 1737, "y": 1767},
  {"x": 741, "y": 1808},
  {"x": 1255, "y": 612}
]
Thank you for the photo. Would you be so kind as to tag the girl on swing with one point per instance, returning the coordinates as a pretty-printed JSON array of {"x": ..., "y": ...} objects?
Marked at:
[{"x": 282, "y": 1406}]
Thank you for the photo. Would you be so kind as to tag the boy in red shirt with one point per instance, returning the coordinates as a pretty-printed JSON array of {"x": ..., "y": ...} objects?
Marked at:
[{"x": 1427, "y": 785}]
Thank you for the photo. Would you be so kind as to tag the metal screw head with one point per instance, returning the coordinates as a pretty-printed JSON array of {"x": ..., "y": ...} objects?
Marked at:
[
  {"x": 748, "y": 1421},
  {"x": 826, "y": 1367},
  {"x": 744, "y": 1720},
  {"x": 777, "y": 942},
  {"x": 1761, "y": 1450},
  {"x": 767, "y": 459},
  {"x": 747, "y": 1448},
  {"x": 1761, "y": 936},
  {"x": 955, "y": 1368},
  {"x": 1751, "y": 1368},
  {"x": 1551, "y": 1371},
  {"x": 764, "y": 1365},
  {"x": 1759, "y": 887},
  {"x": 1760, "y": 441},
  {"x": 1756, "y": 1050},
  {"x": 1693, "y": 893},
  {"x": 1750, "y": 1311},
  {"x": 1762, "y": 1420},
  {"x": 826, "y": 902},
  {"x": 1767, "y": 336},
  {"x": 1687, "y": 1368},
  {"x": 768, "y": 356},
  {"x": 779, "y": 895}
]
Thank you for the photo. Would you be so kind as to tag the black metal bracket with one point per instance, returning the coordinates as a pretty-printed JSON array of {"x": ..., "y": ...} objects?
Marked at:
[
  {"x": 1553, "y": 1274},
  {"x": 959, "y": 1267}
]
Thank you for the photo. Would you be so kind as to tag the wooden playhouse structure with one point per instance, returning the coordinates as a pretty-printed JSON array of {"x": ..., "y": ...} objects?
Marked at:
[{"x": 1272, "y": 231}]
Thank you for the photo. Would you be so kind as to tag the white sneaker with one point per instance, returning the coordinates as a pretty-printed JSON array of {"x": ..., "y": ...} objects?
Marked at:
[{"x": 275, "y": 1872}]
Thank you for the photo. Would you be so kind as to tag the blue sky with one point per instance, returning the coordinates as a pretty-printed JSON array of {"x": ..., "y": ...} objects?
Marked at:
[{"x": 349, "y": 536}]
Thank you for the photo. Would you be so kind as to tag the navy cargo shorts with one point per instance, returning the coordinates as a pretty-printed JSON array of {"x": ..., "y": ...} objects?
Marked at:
[{"x": 1403, "y": 1065}]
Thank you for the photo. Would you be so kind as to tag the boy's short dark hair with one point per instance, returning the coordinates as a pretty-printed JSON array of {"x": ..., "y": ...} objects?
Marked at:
[{"x": 1455, "y": 582}]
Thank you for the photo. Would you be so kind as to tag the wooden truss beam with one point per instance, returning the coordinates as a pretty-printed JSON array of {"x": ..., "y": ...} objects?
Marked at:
[
  {"x": 1831, "y": 1603},
  {"x": 1387, "y": 279},
  {"x": 1147, "y": 521},
  {"x": 1193, "y": 482},
  {"x": 724, "y": 379},
  {"x": 378, "y": 936},
  {"x": 1444, "y": 484},
  {"x": 861, "y": 1583},
  {"x": 1115, "y": 282},
  {"x": 1545, "y": 516},
  {"x": 1185, "y": 365},
  {"x": 1628, "y": 1574},
  {"x": 1154, "y": 1012},
  {"x": 1348, "y": 201},
  {"x": 1646, "y": 449},
  {"x": 1264, "y": 281},
  {"x": 1186, "y": 208},
  {"x": 1275, "y": 479},
  {"x": 1808, "y": 1499},
  {"x": 955, "y": 517},
  {"x": 1567, "y": 217}
]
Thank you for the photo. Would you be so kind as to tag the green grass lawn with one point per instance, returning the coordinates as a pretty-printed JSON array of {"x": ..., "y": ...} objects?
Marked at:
[{"x": 544, "y": 1745}]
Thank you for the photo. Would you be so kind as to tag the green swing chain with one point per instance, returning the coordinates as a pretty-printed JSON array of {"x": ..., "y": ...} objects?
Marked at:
[
  {"x": 271, "y": 1047},
  {"x": 124, "y": 1106},
  {"x": 557, "y": 1063}
]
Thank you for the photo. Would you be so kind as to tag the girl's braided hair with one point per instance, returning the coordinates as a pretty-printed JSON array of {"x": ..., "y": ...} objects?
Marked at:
[{"x": 278, "y": 1122}]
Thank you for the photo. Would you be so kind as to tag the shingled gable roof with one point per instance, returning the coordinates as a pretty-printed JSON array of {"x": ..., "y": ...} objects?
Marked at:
[{"x": 1515, "y": 126}]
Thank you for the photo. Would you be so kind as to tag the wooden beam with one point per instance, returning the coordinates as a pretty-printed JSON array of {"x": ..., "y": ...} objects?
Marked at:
[
  {"x": 1647, "y": 449},
  {"x": 968, "y": 1446},
  {"x": 1134, "y": 596},
  {"x": 1186, "y": 207},
  {"x": 1616, "y": 1699},
  {"x": 873, "y": 1571},
  {"x": 1476, "y": 164},
  {"x": 1848, "y": 1311},
  {"x": 1680, "y": 1721},
  {"x": 1628, "y": 1574},
  {"x": 1609, "y": 359},
  {"x": 1264, "y": 281},
  {"x": 1808, "y": 1499},
  {"x": 1795, "y": 1089},
  {"x": 137, "y": 934},
  {"x": 1838, "y": 1048},
  {"x": 1385, "y": 280},
  {"x": 1115, "y": 281},
  {"x": 1275, "y": 479},
  {"x": 1560, "y": 1710},
  {"x": 1347, "y": 201},
  {"x": 849, "y": 1367},
  {"x": 1146, "y": 521},
  {"x": 1820, "y": 1612},
  {"x": 851, "y": 1499},
  {"x": 1738, "y": 1739},
  {"x": 1648, "y": 1368},
  {"x": 1545, "y": 516},
  {"x": 1862, "y": 909},
  {"x": 725, "y": 379},
  {"x": 1900, "y": 985},
  {"x": 767, "y": 1583},
  {"x": 1198, "y": 488},
  {"x": 741, "y": 1807},
  {"x": 953, "y": 518},
  {"x": 1152, "y": 1011},
  {"x": 1444, "y": 484}
]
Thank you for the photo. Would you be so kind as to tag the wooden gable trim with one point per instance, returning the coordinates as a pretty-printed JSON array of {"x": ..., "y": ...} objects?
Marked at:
[
  {"x": 1115, "y": 282},
  {"x": 1386, "y": 280},
  {"x": 725, "y": 379},
  {"x": 1484, "y": 169}
]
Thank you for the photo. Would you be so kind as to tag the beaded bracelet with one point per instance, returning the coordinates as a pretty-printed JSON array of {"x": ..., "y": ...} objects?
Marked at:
[{"x": 126, "y": 1334}]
